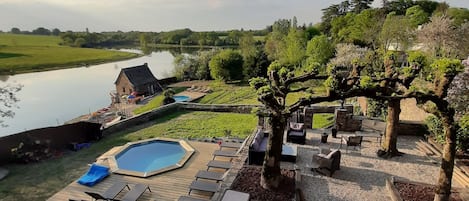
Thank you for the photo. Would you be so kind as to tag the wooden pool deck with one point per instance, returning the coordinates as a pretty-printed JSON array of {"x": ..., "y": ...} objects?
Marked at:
[{"x": 165, "y": 186}]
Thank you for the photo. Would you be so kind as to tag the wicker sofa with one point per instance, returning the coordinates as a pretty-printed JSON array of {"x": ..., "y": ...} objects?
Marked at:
[{"x": 257, "y": 147}]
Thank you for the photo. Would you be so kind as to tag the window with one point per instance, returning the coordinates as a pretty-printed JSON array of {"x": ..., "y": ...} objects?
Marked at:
[{"x": 123, "y": 89}]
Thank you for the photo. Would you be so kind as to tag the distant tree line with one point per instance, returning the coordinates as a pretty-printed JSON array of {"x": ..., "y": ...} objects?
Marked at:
[
  {"x": 38, "y": 31},
  {"x": 183, "y": 37}
]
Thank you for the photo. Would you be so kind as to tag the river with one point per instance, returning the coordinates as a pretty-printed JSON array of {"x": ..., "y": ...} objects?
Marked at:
[{"x": 53, "y": 97}]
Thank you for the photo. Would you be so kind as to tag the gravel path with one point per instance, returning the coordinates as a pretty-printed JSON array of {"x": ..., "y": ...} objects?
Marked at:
[{"x": 362, "y": 174}]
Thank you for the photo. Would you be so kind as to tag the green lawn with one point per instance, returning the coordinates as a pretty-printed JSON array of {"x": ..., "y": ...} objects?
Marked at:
[
  {"x": 322, "y": 120},
  {"x": 156, "y": 102},
  {"x": 41, "y": 180},
  {"x": 28, "y": 53}
]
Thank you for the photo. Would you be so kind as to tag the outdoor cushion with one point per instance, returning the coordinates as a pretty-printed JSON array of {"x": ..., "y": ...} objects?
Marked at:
[
  {"x": 296, "y": 126},
  {"x": 259, "y": 135},
  {"x": 263, "y": 145},
  {"x": 255, "y": 144},
  {"x": 95, "y": 174},
  {"x": 258, "y": 140},
  {"x": 295, "y": 133}
]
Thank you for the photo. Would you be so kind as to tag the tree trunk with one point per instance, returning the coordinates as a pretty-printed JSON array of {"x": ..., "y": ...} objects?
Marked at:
[
  {"x": 271, "y": 175},
  {"x": 443, "y": 190},
  {"x": 389, "y": 146}
]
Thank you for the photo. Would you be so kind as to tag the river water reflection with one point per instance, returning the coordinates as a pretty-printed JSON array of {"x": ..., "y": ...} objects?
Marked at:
[{"x": 53, "y": 97}]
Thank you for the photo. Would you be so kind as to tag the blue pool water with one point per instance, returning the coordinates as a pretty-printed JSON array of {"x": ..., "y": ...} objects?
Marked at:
[
  {"x": 151, "y": 156},
  {"x": 181, "y": 98}
]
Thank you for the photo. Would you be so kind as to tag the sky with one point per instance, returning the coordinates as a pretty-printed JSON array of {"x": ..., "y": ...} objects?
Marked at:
[{"x": 161, "y": 15}]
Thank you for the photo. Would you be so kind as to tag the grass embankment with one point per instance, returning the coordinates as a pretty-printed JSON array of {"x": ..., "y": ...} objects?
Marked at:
[
  {"x": 41, "y": 180},
  {"x": 238, "y": 94},
  {"x": 30, "y": 53}
]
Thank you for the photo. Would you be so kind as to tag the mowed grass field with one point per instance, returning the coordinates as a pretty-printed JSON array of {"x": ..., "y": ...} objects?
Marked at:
[{"x": 29, "y": 53}]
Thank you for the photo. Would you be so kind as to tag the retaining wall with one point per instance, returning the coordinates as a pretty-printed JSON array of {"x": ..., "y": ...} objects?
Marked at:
[{"x": 57, "y": 138}]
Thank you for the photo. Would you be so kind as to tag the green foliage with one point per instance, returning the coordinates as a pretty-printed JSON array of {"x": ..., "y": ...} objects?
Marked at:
[
  {"x": 255, "y": 61},
  {"x": 435, "y": 128},
  {"x": 226, "y": 65},
  {"x": 407, "y": 71},
  {"x": 320, "y": 49},
  {"x": 366, "y": 82},
  {"x": 445, "y": 66},
  {"x": 397, "y": 32},
  {"x": 258, "y": 82},
  {"x": 463, "y": 133},
  {"x": 416, "y": 16},
  {"x": 417, "y": 58},
  {"x": 376, "y": 108},
  {"x": 313, "y": 66},
  {"x": 331, "y": 84},
  {"x": 311, "y": 32},
  {"x": 459, "y": 15},
  {"x": 295, "y": 45},
  {"x": 274, "y": 66}
]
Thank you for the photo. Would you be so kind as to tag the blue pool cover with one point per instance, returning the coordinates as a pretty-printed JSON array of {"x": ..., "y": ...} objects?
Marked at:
[{"x": 151, "y": 156}]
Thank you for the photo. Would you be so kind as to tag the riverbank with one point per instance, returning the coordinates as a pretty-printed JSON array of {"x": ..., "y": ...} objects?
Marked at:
[{"x": 33, "y": 53}]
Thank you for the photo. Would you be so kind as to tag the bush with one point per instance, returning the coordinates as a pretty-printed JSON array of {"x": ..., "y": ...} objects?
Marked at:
[
  {"x": 463, "y": 133},
  {"x": 435, "y": 128}
]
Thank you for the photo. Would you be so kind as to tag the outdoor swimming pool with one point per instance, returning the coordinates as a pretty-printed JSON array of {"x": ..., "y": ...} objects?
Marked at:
[
  {"x": 150, "y": 157},
  {"x": 181, "y": 98}
]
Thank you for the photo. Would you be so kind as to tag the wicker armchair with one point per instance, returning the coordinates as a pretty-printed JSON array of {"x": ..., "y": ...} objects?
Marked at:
[{"x": 330, "y": 162}]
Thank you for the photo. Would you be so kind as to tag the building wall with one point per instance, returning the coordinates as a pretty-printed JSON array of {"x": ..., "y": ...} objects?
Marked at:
[{"x": 123, "y": 85}]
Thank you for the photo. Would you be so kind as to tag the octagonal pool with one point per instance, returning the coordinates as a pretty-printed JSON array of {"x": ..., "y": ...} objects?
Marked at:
[{"x": 150, "y": 157}]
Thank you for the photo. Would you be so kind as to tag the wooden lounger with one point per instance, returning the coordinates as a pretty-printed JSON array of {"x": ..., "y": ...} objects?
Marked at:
[
  {"x": 204, "y": 186},
  {"x": 230, "y": 145},
  {"x": 223, "y": 153},
  {"x": 231, "y": 195},
  {"x": 110, "y": 193},
  {"x": 217, "y": 176},
  {"x": 189, "y": 198},
  {"x": 219, "y": 164},
  {"x": 135, "y": 192}
]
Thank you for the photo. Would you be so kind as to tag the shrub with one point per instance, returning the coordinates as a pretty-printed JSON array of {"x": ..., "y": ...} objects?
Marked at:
[{"x": 435, "y": 128}]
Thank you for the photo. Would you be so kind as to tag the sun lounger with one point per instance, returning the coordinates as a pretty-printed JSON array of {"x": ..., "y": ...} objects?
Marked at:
[
  {"x": 135, "y": 192},
  {"x": 189, "y": 198},
  {"x": 216, "y": 176},
  {"x": 219, "y": 164},
  {"x": 95, "y": 174},
  {"x": 231, "y": 195},
  {"x": 110, "y": 193},
  {"x": 204, "y": 186},
  {"x": 230, "y": 154},
  {"x": 230, "y": 145}
]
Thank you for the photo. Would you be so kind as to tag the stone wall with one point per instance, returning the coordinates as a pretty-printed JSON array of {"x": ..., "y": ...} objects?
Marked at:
[
  {"x": 142, "y": 118},
  {"x": 344, "y": 120},
  {"x": 245, "y": 109},
  {"x": 308, "y": 112}
]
